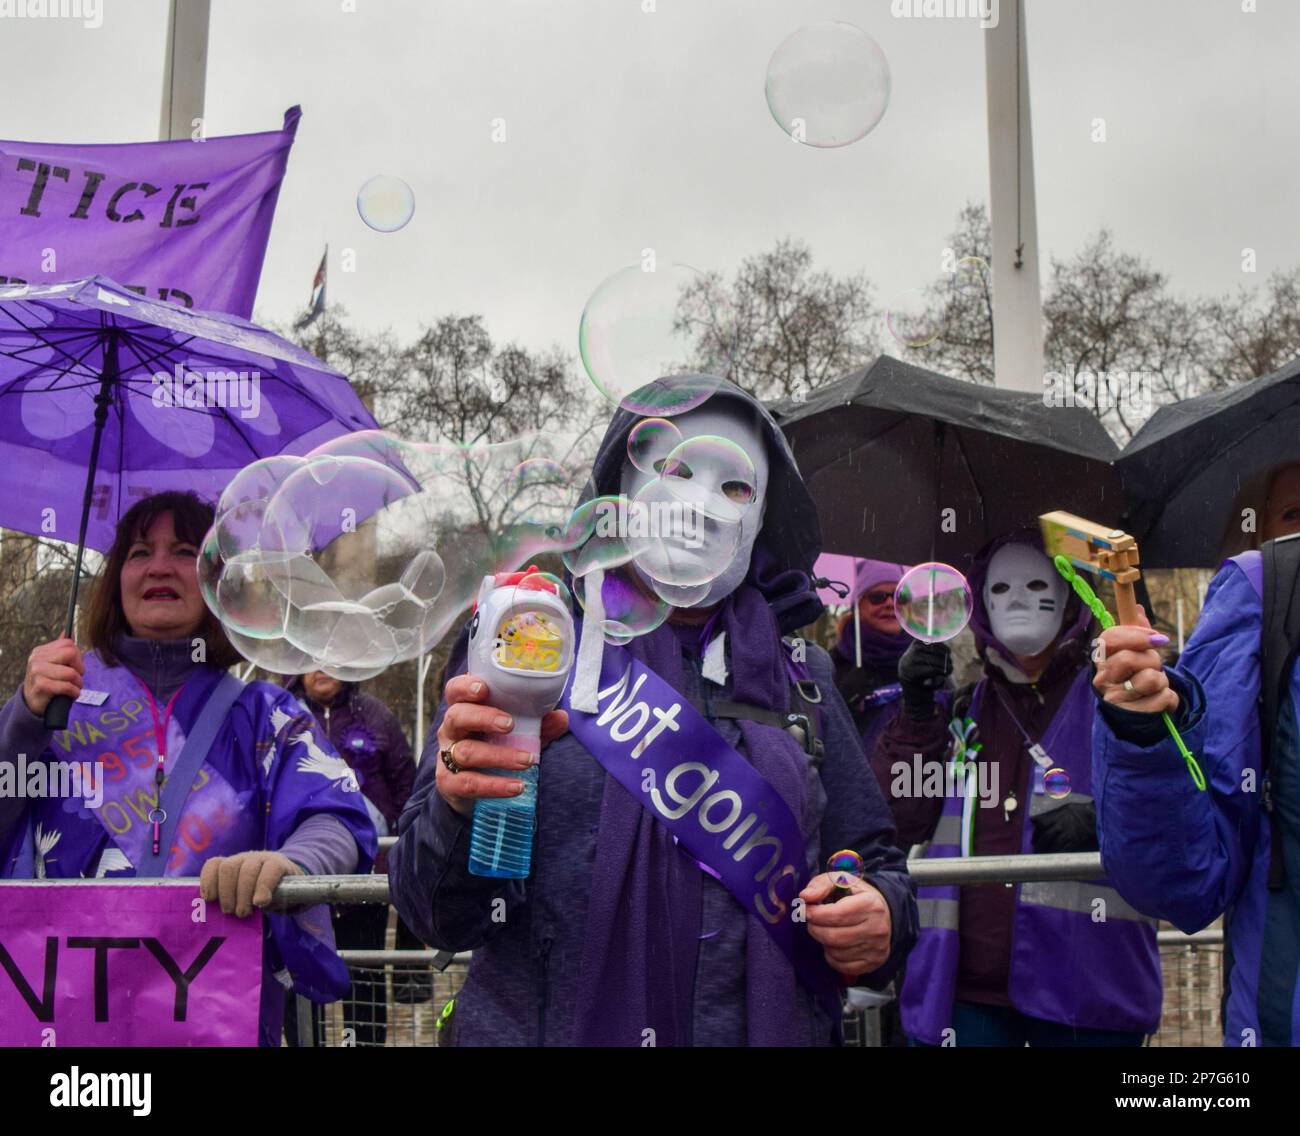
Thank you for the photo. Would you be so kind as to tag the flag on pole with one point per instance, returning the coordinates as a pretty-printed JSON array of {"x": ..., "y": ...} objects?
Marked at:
[
  {"x": 316, "y": 305},
  {"x": 181, "y": 221}
]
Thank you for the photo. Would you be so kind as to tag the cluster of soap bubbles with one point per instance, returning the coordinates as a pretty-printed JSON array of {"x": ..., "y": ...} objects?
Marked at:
[{"x": 366, "y": 552}]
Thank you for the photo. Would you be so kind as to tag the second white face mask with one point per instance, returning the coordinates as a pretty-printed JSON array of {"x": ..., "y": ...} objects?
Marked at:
[
  {"x": 725, "y": 499},
  {"x": 1025, "y": 599}
]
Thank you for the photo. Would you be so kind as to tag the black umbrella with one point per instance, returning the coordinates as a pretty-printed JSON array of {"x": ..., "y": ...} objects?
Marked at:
[
  {"x": 887, "y": 451},
  {"x": 1184, "y": 468}
]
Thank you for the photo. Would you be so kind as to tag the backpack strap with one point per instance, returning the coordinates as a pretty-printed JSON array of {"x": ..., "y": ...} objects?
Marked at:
[
  {"x": 1279, "y": 639},
  {"x": 802, "y": 721}
]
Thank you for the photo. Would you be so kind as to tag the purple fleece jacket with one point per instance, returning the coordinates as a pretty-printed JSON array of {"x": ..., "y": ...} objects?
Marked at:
[
  {"x": 522, "y": 985},
  {"x": 320, "y": 845}
]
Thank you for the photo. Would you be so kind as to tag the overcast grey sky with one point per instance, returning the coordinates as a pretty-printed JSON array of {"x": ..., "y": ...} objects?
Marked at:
[{"x": 628, "y": 130}]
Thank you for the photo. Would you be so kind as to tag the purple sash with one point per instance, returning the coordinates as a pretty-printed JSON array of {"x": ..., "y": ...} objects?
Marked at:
[
  {"x": 717, "y": 805},
  {"x": 215, "y": 817}
]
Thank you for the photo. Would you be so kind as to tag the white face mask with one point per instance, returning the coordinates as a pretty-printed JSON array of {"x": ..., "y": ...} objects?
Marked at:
[
  {"x": 729, "y": 513},
  {"x": 1025, "y": 599}
]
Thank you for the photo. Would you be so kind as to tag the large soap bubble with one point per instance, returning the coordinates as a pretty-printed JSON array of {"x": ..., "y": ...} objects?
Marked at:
[
  {"x": 386, "y": 203},
  {"x": 933, "y": 602},
  {"x": 631, "y": 608},
  {"x": 633, "y": 331},
  {"x": 828, "y": 85}
]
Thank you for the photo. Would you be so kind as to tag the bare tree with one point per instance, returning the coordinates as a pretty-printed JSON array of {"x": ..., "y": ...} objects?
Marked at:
[
  {"x": 786, "y": 328},
  {"x": 1110, "y": 316},
  {"x": 1253, "y": 332},
  {"x": 960, "y": 304}
]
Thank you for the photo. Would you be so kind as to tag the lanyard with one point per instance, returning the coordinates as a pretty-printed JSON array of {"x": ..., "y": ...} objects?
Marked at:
[
  {"x": 1040, "y": 755},
  {"x": 156, "y": 814}
]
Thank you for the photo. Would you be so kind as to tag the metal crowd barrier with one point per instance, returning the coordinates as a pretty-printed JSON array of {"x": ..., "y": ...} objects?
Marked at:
[
  {"x": 398, "y": 995},
  {"x": 299, "y": 891}
]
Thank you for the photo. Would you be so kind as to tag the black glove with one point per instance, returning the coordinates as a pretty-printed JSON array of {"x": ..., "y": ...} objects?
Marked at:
[
  {"x": 921, "y": 671},
  {"x": 1071, "y": 828}
]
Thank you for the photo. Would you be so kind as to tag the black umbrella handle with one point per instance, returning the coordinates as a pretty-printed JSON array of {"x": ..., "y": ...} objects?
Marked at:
[
  {"x": 56, "y": 713},
  {"x": 60, "y": 706}
]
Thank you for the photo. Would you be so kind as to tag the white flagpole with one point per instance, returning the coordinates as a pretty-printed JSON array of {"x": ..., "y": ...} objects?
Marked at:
[
  {"x": 185, "y": 68},
  {"x": 1017, "y": 301}
]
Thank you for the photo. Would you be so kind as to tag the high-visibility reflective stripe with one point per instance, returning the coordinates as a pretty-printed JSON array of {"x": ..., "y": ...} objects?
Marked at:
[
  {"x": 947, "y": 831},
  {"x": 1041, "y": 803},
  {"x": 1079, "y": 896},
  {"x": 940, "y": 913}
]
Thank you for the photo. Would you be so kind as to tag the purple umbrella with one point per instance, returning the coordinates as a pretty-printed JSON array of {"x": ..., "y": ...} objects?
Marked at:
[{"x": 111, "y": 397}]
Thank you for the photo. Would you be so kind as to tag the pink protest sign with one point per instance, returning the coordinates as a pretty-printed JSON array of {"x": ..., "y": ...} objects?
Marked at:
[{"x": 121, "y": 965}]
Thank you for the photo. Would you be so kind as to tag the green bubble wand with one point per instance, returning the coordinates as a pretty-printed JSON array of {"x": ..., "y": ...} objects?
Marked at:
[{"x": 1072, "y": 541}]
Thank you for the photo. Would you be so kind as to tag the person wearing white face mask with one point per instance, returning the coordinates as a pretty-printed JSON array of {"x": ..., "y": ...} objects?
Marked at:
[
  {"x": 620, "y": 935},
  {"x": 1062, "y": 963}
]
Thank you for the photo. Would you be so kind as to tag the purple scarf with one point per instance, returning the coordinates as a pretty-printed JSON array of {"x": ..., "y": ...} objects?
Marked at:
[
  {"x": 880, "y": 650},
  {"x": 643, "y": 925}
]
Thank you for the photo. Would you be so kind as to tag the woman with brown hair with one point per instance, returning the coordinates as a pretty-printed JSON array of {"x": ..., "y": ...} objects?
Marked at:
[{"x": 198, "y": 774}]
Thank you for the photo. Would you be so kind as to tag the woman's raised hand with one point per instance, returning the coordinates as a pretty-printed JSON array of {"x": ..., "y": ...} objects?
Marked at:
[
  {"x": 465, "y": 733},
  {"x": 52, "y": 668},
  {"x": 1130, "y": 672}
]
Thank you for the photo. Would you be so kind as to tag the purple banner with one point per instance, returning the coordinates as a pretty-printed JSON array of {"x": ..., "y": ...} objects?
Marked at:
[
  {"x": 121, "y": 965},
  {"x": 655, "y": 744},
  {"x": 185, "y": 221}
]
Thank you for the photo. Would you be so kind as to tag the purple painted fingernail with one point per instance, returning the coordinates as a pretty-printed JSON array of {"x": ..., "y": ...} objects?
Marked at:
[{"x": 1157, "y": 639}]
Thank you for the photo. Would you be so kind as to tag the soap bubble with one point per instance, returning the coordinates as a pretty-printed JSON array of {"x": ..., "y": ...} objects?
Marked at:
[
  {"x": 828, "y": 85},
  {"x": 1056, "y": 783},
  {"x": 970, "y": 276},
  {"x": 533, "y": 483},
  {"x": 910, "y": 320},
  {"x": 680, "y": 595},
  {"x": 249, "y": 598},
  {"x": 595, "y": 535},
  {"x": 386, "y": 203},
  {"x": 674, "y": 541},
  {"x": 630, "y": 335},
  {"x": 933, "y": 602},
  {"x": 844, "y": 864},
  {"x": 630, "y": 610},
  {"x": 846, "y": 860},
  {"x": 242, "y": 505},
  {"x": 210, "y": 566},
  {"x": 712, "y": 475},
  {"x": 278, "y": 656},
  {"x": 650, "y": 442}
]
